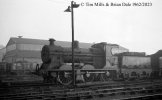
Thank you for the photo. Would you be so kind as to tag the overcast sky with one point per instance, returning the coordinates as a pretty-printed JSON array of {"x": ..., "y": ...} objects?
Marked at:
[{"x": 134, "y": 27}]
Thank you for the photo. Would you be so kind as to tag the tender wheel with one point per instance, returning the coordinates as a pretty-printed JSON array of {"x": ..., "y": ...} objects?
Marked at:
[
  {"x": 105, "y": 76},
  {"x": 65, "y": 78},
  {"x": 88, "y": 77}
]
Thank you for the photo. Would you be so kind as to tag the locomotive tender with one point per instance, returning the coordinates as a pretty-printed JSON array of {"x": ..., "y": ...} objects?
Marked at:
[{"x": 97, "y": 63}]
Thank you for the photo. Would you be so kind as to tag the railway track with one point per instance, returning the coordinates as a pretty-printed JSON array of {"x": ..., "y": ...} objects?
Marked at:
[
  {"x": 52, "y": 92},
  {"x": 112, "y": 93},
  {"x": 145, "y": 97}
]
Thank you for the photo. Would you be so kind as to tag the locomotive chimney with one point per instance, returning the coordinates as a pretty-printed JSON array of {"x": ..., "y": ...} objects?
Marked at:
[{"x": 52, "y": 41}]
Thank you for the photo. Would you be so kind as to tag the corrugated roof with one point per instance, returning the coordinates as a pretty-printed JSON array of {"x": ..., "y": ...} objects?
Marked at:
[
  {"x": 46, "y": 42},
  {"x": 28, "y": 41}
]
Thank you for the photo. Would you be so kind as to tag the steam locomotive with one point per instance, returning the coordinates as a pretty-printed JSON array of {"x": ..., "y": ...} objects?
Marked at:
[{"x": 96, "y": 63}]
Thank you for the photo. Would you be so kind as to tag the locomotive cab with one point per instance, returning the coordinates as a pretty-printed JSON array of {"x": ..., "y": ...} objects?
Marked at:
[{"x": 110, "y": 62}]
